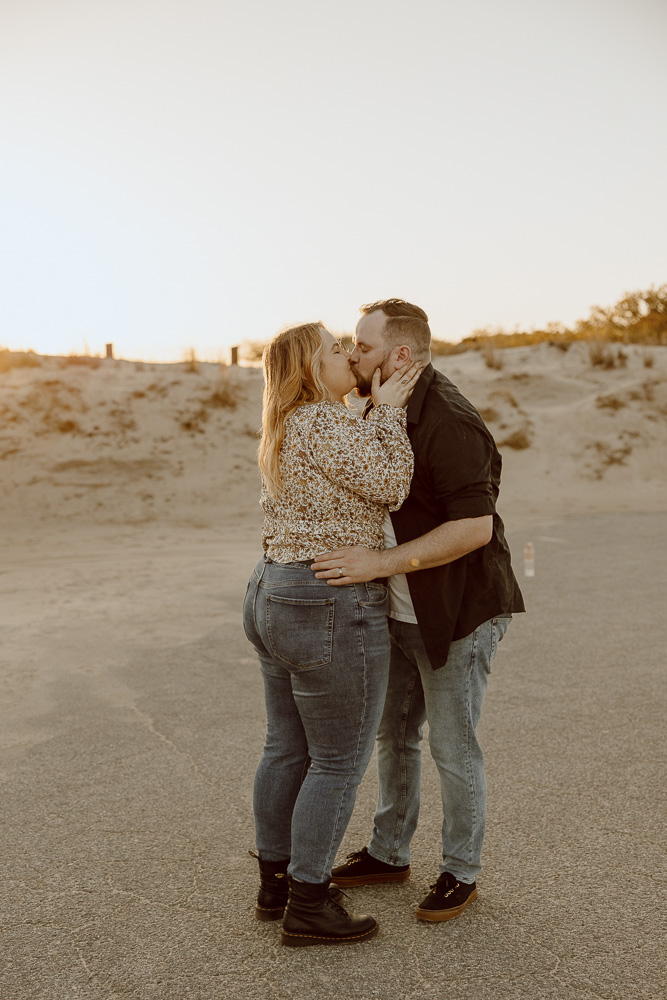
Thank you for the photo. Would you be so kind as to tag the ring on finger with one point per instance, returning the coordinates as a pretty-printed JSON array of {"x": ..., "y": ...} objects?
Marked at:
[{"x": 341, "y": 571}]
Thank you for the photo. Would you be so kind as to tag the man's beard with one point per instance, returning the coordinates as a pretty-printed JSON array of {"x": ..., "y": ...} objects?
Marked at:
[{"x": 365, "y": 385}]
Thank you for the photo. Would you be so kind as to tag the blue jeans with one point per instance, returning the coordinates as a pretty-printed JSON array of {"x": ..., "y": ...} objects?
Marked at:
[
  {"x": 324, "y": 657},
  {"x": 451, "y": 699}
]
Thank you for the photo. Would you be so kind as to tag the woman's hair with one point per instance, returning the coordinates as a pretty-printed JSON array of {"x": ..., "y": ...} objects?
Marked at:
[{"x": 291, "y": 363}]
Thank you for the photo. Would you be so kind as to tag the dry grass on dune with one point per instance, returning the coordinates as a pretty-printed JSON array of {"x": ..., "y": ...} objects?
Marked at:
[
  {"x": 127, "y": 442},
  {"x": 574, "y": 436}
]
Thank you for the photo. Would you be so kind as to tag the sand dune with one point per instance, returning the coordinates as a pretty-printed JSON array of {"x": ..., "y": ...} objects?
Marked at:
[{"x": 120, "y": 442}]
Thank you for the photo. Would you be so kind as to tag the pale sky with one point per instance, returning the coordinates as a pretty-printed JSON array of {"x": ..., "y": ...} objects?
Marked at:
[{"x": 191, "y": 173}]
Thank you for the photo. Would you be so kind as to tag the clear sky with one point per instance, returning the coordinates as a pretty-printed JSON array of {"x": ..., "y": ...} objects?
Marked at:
[{"x": 195, "y": 173}]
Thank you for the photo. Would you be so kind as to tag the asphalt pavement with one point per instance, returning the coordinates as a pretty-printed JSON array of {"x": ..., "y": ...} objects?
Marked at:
[{"x": 127, "y": 808}]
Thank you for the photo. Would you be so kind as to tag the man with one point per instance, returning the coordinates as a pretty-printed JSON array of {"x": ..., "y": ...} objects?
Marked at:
[{"x": 452, "y": 594}]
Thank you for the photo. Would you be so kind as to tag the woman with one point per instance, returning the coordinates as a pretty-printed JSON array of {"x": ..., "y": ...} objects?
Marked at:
[{"x": 324, "y": 652}]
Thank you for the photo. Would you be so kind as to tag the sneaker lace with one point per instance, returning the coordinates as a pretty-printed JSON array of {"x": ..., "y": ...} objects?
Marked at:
[
  {"x": 354, "y": 856},
  {"x": 445, "y": 885}
]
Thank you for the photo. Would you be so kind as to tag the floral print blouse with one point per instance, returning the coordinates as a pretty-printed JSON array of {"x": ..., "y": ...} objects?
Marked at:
[{"x": 339, "y": 471}]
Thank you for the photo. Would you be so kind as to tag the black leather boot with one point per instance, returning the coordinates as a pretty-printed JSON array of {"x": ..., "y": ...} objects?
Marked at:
[
  {"x": 274, "y": 889},
  {"x": 313, "y": 917}
]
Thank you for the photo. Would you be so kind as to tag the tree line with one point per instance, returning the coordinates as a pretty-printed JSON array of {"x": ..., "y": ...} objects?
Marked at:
[{"x": 637, "y": 318}]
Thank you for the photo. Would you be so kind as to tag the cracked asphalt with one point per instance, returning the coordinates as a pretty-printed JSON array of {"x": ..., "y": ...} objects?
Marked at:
[{"x": 132, "y": 724}]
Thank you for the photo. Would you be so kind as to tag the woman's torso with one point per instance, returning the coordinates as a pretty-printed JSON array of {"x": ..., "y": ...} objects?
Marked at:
[{"x": 338, "y": 471}]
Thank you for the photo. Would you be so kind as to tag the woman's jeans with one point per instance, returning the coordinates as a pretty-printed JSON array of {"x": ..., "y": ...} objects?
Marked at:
[
  {"x": 451, "y": 699},
  {"x": 324, "y": 656}
]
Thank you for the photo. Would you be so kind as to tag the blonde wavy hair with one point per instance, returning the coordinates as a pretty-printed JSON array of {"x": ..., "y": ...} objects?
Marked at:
[{"x": 291, "y": 362}]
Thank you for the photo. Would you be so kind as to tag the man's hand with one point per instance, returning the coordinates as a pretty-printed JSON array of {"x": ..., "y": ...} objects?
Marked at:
[
  {"x": 444, "y": 544},
  {"x": 359, "y": 565}
]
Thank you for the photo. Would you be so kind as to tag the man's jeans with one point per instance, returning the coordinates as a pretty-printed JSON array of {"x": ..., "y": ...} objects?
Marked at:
[
  {"x": 324, "y": 656},
  {"x": 451, "y": 699}
]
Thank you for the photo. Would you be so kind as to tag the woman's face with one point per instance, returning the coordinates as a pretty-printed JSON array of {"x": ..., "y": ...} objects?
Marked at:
[{"x": 335, "y": 369}]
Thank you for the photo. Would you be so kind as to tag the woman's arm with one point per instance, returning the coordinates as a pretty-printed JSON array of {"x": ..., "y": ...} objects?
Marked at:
[{"x": 371, "y": 457}]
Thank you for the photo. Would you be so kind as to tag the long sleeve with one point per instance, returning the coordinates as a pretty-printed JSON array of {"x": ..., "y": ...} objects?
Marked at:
[
  {"x": 339, "y": 472},
  {"x": 371, "y": 457}
]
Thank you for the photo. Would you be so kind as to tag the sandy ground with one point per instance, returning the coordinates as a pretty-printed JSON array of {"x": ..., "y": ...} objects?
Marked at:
[{"x": 133, "y": 715}]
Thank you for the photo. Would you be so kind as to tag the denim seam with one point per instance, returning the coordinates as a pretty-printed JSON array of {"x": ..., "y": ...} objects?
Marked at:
[
  {"x": 471, "y": 782},
  {"x": 403, "y": 771},
  {"x": 334, "y": 833},
  {"x": 254, "y": 601},
  {"x": 359, "y": 613}
]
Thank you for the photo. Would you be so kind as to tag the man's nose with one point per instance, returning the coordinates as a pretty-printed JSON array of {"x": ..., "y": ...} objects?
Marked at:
[{"x": 354, "y": 356}]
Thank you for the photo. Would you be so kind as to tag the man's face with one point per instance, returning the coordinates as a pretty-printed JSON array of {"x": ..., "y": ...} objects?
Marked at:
[{"x": 371, "y": 352}]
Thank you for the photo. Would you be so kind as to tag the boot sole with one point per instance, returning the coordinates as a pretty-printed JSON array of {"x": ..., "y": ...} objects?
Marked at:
[
  {"x": 304, "y": 940},
  {"x": 349, "y": 880},
  {"x": 264, "y": 913},
  {"x": 440, "y": 915}
]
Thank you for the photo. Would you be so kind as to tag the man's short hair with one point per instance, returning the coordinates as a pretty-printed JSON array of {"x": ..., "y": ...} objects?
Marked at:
[{"x": 406, "y": 324}]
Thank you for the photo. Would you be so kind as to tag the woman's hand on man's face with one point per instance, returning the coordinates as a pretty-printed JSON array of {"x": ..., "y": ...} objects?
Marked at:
[{"x": 398, "y": 388}]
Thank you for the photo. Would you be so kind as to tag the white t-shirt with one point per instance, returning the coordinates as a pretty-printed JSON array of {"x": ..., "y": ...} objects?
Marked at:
[{"x": 400, "y": 602}]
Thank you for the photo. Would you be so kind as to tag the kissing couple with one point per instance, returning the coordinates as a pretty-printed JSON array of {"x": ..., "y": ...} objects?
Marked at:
[{"x": 384, "y": 589}]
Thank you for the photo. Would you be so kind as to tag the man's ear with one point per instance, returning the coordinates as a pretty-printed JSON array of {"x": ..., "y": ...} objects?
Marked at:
[{"x": 403, "y": 354}]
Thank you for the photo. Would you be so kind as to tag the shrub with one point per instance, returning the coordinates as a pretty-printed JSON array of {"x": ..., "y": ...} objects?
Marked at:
[
  {"x": 441, "y": 348},
  {"x": 491, "y": 357},
  {"x": 648, "y": 358},
  {"x": 18, "y": 359},
  {"x": 518, "y": 440},
  {"x": 123, "y": 419},
  {"x": 489, "y": 415},
  {"x": 191, "y": 364},
  {"x": 610, "y": 456},
  {"x": 84, "y": 360},
  {"x": 68, "y": 427},
  {"x": 505, "y": 396},
  {"x": 610, "y": 402},
  {"x": 224, "y": 396},
  {"x": 251, "y": 350},
  {"x": 601, "y": 354},
  {"x": 194, "y": 422}
]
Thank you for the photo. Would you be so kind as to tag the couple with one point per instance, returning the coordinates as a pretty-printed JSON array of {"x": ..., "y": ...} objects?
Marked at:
[{"x": 384, "y": 590}]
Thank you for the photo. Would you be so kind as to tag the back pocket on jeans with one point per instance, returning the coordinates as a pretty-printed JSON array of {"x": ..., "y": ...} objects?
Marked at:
[{"x": 300, "y": 632}]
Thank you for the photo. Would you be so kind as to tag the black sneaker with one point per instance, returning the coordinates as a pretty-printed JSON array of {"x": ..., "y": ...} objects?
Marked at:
[
  {"x": 361, "y": 868},
  {"x": 447, "y": 899}
]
